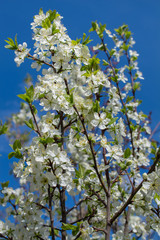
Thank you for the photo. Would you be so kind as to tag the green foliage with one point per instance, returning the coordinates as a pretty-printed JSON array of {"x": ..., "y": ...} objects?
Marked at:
[
  {"x": 75, "y": 229},
  {"x": 4, "y": 184},
  {"x": 3, "y": 128},
  {"x": 28, "y": 96},
  {"x": 86, "y": 40},
  {"x": 98, "y": 28},
  {"x": 30, "y": 124},
  {"x": 17, "y": 144},
  {"x": 123, "y": 31},
  {"x": 127, "y": 153},
  {"x": 12, "y": 44},
  {"x": 46, "y": 23},
  {"x": 16, "y": 147},
  {"x": 92, "y": 66},
  {"x": 96, "y": 106}
]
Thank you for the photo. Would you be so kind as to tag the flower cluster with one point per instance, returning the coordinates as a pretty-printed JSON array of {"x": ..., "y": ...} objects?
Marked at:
[{"x": 91, "y": 142}]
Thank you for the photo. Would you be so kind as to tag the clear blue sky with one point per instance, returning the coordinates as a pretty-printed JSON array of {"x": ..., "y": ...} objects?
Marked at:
[{"x": 142, "y": 16}]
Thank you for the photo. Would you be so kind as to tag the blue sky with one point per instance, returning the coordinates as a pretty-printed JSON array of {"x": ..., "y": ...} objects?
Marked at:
[{"x": 142, "y": 16}]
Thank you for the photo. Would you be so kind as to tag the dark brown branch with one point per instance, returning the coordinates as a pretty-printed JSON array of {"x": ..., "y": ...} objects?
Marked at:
[
  {"x": 154, "y": 130},
  {"x": 70, "y": 123},
  {"x": 99, "y": 198},
  {"x": 32, "y": 111},
  {"x": 108, "y": 206},
  {"x": 132, "y": 185},
  {"x": 50, "y": 196},
  {"x": 156, "y": 211},
  {"x": 83, "y": 218},
  {"x": 14, "y": 207},
  {"x": 8, "y": 238},
  {"x": 63, "y": 210},
  {"x": 100, "y": 230},
  {"x": 119, "y": 212},
  {"x": 62, "y": 190},
  {"x": 77, "y": 204},
  {"x": 41, "y": 61},
  {"x": 127, "y": 222},
  {"x": 42, "y": 206},
  {"x": 40, "y": 238},
  {"x": 78, "y": 235}
]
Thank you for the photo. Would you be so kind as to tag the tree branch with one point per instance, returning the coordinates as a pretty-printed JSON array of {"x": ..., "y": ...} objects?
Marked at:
[
  {"x": 118, "y": 213},
  {"x": 50, "y": 196},
  {"x": 127, "y": 222}
]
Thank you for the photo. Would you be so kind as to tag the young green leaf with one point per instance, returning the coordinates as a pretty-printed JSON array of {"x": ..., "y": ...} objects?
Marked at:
[{"x": 127, "y": 153}]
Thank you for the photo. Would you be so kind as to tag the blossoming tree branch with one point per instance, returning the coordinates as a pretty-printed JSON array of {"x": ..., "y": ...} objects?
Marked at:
[{"x": 91, "y": 169}]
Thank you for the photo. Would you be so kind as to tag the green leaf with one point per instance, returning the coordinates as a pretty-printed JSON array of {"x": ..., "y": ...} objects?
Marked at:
[
  {"x": 15, "y": 39},
  {"x": 157, "y": 196},
  {"x": 84, "y": 36},
  {"x": 46, "y": 140},
  {"x": 17, "y": 200},
  {"x": 81, "y": 170},
  {"x": 76, "y": 128},
  {"x": 87, "y": 173},
  {"x": 34, "y": 109},
  {"x": 18, "y": 154},
  {"x": 123, "y": 110},
  {"x": 128, "y": 34},
  {"x": 127, "y": 153},
  {"x": 3, "y": 128},
  {"x": 11, "y": 154},
  {"x": 52, "y": 15},
  {"x": 85, "y": 40},
  {"x": 11, "y": 44},
  {"x": 101, "y": 30},
  {"x": 74, "y": 232},
  {"x": 94, "y": 27},
  {"x": 24, "y": 97},
  {"x": 111, "y": 52},
  {"x": 41, "y": 96},
  {"x": 71, "y": 98},
  {"x": 125, "y": 47},
  {"x": 123, "y": 166},
  {"x": 30, "y": 92},
  {"x": 17, "y": 144},
  {"x": 153, "y": 151},
  {"x": 113, "y": 120},
  {"x": 96, "y": 106},
  {"x": 54, "y": 29},
  {"x": 40, "y": 11},
  {"x": 136, "y": 86},
  {"x": 129, "y": 99},
  {"x": 67, "y": 226},
  {"x": 154, "y": 144},
  {"x": 56, "y": 232},
  {"x": 29, "y": 124},
  {"x": 46, "y": 23},
  {"x": 105, "y": 63},
  {"x": 5, "y": 184}
]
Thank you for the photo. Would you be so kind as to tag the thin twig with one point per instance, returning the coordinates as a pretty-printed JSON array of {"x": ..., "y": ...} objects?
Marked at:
[
  {"x": 32, "y": 111},
  {"x": 50, "y": 196},
  {"x": 154, "y": 130}
]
